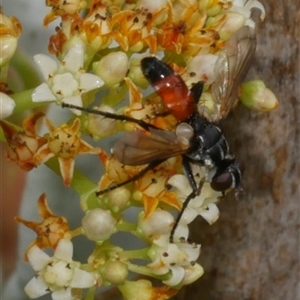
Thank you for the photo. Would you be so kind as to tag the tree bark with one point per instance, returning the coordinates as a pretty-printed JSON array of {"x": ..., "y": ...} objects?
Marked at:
[{"x": 252, "y": 251}]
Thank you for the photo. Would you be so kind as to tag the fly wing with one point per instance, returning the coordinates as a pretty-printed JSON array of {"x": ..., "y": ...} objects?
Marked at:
[
  {"x": 139, "y": 148},
  {"x": 231, "y": 68}
]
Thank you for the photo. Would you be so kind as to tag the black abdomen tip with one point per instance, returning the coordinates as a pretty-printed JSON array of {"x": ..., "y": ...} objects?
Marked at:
[{"x": 155, "y": 69}]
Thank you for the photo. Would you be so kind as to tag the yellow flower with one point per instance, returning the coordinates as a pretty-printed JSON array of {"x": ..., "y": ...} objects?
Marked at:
[
  {"x": 133, "y": 29},
  {"x": 62, "y": 8},
  {"x": 23, "y": 144},
  {"x": 49, "y": 231},
  {"x": 184, "y": 31},
  {"x": 65, "y": 143}
]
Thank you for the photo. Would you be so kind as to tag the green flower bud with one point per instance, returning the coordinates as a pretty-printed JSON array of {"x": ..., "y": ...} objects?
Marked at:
[{"x": 255, "y": 95}]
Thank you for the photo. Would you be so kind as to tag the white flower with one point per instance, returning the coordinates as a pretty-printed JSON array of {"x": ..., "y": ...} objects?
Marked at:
[
  {"x": 7, "y": 105},
  {"x": 57, "y": 274},
  {"x": 175, "y": 258},
  {"x": 203, "y": 204},
  {"x": 65, "y": 82}
]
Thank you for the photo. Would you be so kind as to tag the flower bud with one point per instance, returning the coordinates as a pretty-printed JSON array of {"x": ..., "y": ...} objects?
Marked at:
[
  {"x": 136, "y": 75},
  {"x": 233, "y": 22},
  {"x": 9, "y": 34},
  {"x": 158, "y": 223},
  {"x": 98, "y": 224},
  {"x": 7, "y": 105},
  {"x": 192, "y": 273},
  {"x": 112, "y": 68},
  {"x": 255, "y": 95},
  {"x": 118, "y": 199},
  {"x": 99, "y": 126},
  {"x": 115, "y": 272}
]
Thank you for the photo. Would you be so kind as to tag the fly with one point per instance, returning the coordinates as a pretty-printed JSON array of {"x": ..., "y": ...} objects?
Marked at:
[{"x": 197, "y": 138}]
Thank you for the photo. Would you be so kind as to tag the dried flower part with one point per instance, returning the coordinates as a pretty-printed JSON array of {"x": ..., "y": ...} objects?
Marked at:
[
  {"x": 23, "y": 144},
  {"x": 58, "y": 274},
  {"x": 65, "y": 143},
  {"x": 49, "y": 231},
  {"x": 151, "y": 188},
  {"x": 10, "y": 30},
  {"x": 61, "y": 8},
  {"x": 134, "y": 29},
  {"x": 115, "y": 172}
]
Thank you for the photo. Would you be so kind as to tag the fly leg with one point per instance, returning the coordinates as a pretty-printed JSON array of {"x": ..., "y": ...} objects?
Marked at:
[
  {"x": 109, "y": 115},
  {"x": 151, "y": 166},
  {"x": 196, "y": 190}
]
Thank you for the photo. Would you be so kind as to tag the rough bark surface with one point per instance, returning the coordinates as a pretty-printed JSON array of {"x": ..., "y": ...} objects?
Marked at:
[{"x": 252, "y": 251}]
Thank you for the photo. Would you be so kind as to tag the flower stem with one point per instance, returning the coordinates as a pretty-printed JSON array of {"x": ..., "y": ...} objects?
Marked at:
[
  {"x": 23, "y": 101},
  {"x": 80, "y": 183}
]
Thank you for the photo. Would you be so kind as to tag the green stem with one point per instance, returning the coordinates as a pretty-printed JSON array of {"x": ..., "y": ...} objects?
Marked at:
[
  {"x": 23, "y": 101},
  {"x": 145, "y": 271},
  {"x": 80, "y": 183},
  {"x": 3, "y": 73},
  {"x": 135, "y": 254},
  {"x": 91, "y": 293}
]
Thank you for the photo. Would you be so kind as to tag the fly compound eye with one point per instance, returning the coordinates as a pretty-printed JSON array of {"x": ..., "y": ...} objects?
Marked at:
[{"x": 222, "y": 182}]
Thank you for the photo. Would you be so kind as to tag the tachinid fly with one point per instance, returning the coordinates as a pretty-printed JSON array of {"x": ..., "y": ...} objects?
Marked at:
[{"x": 197, "y": 137}]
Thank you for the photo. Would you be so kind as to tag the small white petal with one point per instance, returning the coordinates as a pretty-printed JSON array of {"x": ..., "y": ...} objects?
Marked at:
[
  {"x": 177, "y": 275},
  {"x": 192, "y": 251},
  {"x": 63, "y": 294},
  {"x": 36, "y": 287},
  {"x": 88, "y": 82},
  {"x": 74, "y": 59},
  {"x": 64, "y": 250},
  {"x": 211, "y": 215},
  {"x": 182, "y": 230},
  {"x": 38, "y": 258},
  {"x": 76, "y": 100},
  {"x": 7, "y": 105},
  {"x": 192, "y": 273},
  {"x": 47, "y": 65},
  {"x": 181, "y": 183},
  {"x": 82, "y": 279},
  {"x": 43, "y": 93}
]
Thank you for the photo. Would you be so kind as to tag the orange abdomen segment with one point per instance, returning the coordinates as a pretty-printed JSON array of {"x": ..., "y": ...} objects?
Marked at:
[
  {"x": 170, "y": 87},
  {"x": 176, "y": 96}
]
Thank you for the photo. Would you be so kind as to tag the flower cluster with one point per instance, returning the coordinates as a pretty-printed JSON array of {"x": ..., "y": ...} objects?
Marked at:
[{"x": 98, "y": 47}]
